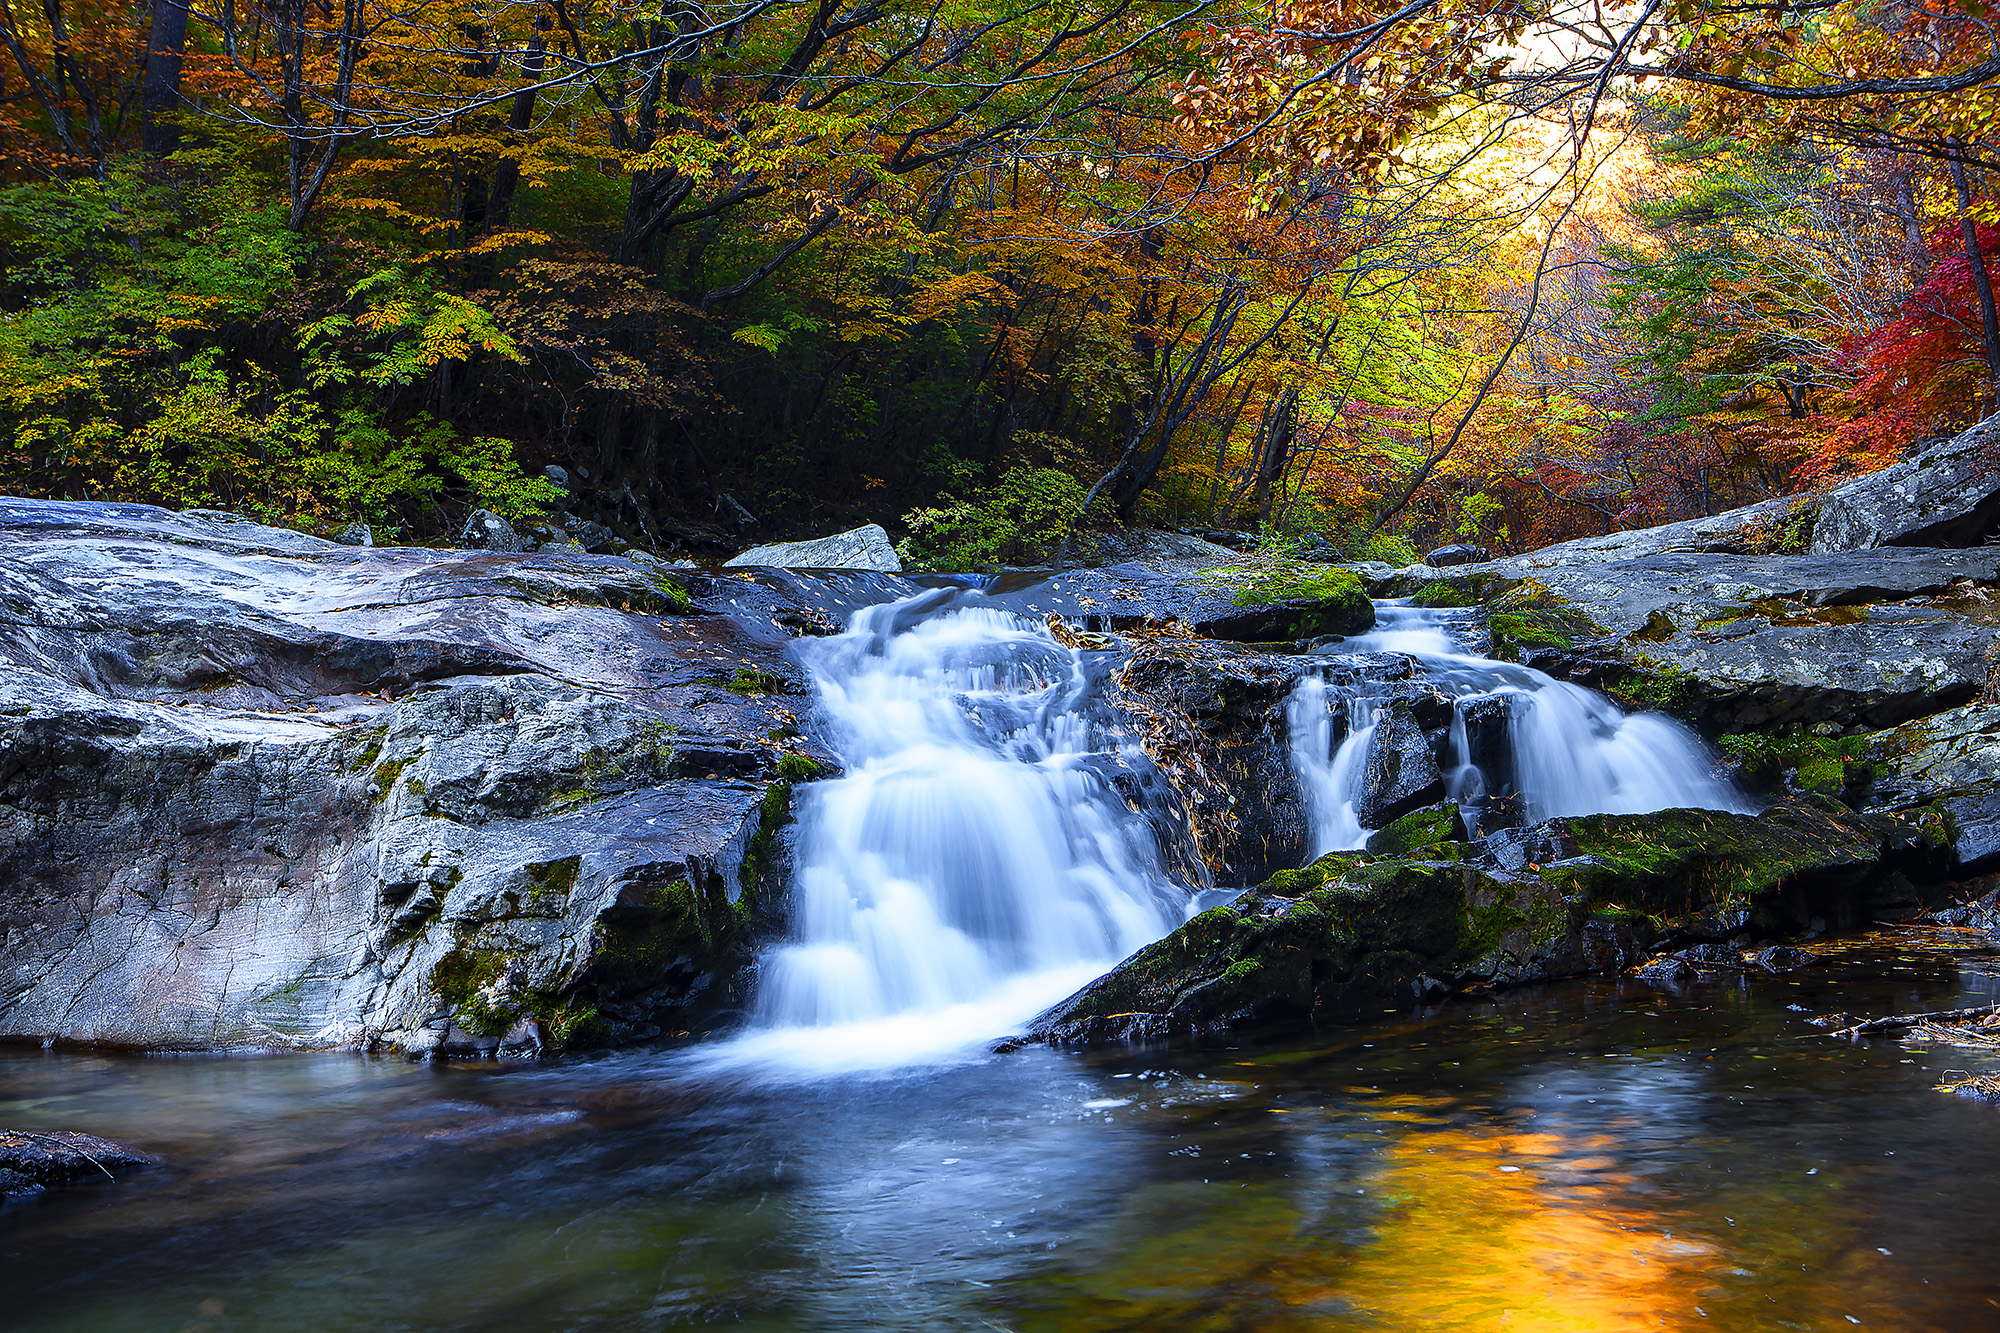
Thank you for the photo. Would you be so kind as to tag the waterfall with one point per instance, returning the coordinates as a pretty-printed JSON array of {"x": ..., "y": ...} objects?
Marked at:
[
  {"x": 1568, "y": 750},
  {"x": 974, "y": 865}
]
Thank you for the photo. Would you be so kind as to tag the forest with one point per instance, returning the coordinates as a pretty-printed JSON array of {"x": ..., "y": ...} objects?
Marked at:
[{"x": 1353, "y": 279}]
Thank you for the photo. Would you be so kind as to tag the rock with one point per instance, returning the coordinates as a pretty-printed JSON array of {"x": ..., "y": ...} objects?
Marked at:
[
  {"x": 1418, "y": 830},
  {"x": 355, "y": 534},
  {"x": 588, "y": 535},
  {"x": 487, "y": 531},
  {"x": 1946, "y": 495},
  {"x": 1945, "y": 769},
  {"x": 1731, "y": 642},
  {"x": 1212, "y": 718},
  {"x": 1246, "y": 602},
  {"x": 1351, "y": 929},
  {"x": 559, "y": 477},
  {"x": 1445, "y": 556},
  {"x": 1667, "y": 973},
  {"x": 35, "y": 1160},
  {"x": 1780, "y": 958},
  {"x": 264, "y": 790},
  {"x": 860, "y": 548},
  {"x": 1401, "y": 769}
]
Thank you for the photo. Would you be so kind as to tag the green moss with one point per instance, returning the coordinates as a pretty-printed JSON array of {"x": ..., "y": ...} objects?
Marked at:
[
  {"x": 1826, "y": 764},
  {"x": 370, "y": 751},
  {"x": 1657, "y": 629},
  {"x": 1428, "y": 830},
  {"x": 387, "y": 772},
  {"x": 1329, "y": 869},
  {"x": 461, "y": 978},
  {"x": 673, "y": 596},
  {"x": 1290, "y": 581},
  {"x": 749, "y": 680},
  {"x": 1441, "y": 594},
  {"x": 1530, "y": 615},
  {"x": 1658, "y": 687},
  {"x": 553, "y": 879},
  {"x": 799, "y": 768}
]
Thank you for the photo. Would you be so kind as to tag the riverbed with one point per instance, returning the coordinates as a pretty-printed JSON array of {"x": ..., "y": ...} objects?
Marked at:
[{"x": 1589, "y": 1155}]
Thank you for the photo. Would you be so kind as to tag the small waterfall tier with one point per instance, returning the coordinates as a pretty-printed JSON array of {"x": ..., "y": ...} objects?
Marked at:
[
  {"x": 976, "y": 863},
  {"x": 1516, "y": 736}
]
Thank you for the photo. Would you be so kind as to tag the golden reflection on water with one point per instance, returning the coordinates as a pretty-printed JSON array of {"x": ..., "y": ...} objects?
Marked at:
[{"x": 1517, "y": 1223}]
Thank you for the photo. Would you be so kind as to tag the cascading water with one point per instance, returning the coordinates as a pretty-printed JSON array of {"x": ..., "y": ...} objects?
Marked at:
[
  {"x": 973, "y": 866},
  {"x": 1570, "y": 750}
]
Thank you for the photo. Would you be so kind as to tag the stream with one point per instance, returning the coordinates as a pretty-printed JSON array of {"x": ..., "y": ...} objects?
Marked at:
[
  {"x": 1592, "y": 1154},
  {"x": 1585, "y": 1155}
]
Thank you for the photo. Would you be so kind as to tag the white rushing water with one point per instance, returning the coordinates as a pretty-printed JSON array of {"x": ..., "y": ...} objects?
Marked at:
[
  {"x": 1574, "y": 752},
  {"x": 971, "y": 868}
]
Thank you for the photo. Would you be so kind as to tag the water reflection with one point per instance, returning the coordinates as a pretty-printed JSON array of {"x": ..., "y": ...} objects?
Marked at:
[{"x": 1574, "y": 1158}]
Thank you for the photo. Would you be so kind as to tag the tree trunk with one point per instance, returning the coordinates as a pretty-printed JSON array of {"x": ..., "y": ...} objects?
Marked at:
[
  {"x": 507, "y": 175},
  {"x": 1982, "y": 281},
  {"x": 162, "y": 93}
]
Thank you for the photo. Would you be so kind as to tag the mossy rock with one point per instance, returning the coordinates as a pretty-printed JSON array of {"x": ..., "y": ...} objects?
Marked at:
[
  {"x": 1682, "y": 864},
  {"x": 1427, "y": 828},
  {"x": 1291, "y": 600},
  {"x": 1530, "y": 615},
  {"x": 1352, "y": 927}
]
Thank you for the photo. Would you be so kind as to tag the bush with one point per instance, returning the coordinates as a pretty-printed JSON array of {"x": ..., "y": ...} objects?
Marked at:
[{"x": 1021, "y": 519}]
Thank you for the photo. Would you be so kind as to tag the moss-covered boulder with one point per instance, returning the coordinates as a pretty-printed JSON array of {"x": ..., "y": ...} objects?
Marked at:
[
  {"x": 1426, "y": 828},
  {"x": 1564, "y": 898}
]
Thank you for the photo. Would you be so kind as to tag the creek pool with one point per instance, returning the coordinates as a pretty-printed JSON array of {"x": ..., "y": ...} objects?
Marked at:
[{"x": 1592, "y": 1156}]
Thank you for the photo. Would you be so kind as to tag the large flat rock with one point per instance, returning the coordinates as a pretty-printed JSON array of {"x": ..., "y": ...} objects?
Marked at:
[{"x": 260, "y": 789}]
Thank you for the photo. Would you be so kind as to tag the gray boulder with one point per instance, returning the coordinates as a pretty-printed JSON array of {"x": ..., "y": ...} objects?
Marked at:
[
  {"x": 1445, "y": 556},
  {"x": 487, "y": 531},
  {"x": 1945, "y": 765},
  {"x": 355, "y": 534},
  {"x": 865, "y": 547},
  {"x": 265, "y": 790},
  {"x": 1946, "y": 495},
  {"x": 1401, "y": 767}
]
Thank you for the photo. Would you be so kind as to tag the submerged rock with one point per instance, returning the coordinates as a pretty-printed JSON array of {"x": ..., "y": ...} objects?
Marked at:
[
  {"x": 865, "y": 547},
  {"x": 32, "y": 1161},
  {"x": 1352, "y": 929}
]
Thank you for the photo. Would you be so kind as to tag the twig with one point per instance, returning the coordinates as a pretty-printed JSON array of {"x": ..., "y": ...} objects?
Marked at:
[
  {"x": 1896, "y": 1021},
  {"x": 60, "y": 1142}
]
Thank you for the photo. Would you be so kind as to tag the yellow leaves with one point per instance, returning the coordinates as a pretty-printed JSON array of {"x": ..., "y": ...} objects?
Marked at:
[
  {"x": 940, "y": 298},
  {"x": 501, "y": 240}
]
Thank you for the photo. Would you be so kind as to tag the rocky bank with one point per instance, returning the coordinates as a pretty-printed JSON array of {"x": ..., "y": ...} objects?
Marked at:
[{"x": 260, "y": 789}]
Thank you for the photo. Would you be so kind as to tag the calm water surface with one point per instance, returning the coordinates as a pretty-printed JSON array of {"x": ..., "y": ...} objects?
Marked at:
[{"x": 1584, "y": 1156}]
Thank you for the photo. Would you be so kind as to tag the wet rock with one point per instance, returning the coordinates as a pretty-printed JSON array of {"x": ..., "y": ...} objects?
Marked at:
[
  {"x": 487, "y": 531},
  {"x": 32, "y": 1161},
  {"x": 865, "y": 547},
  {"x": 1401, "y": 769},
  {"x": 1212, "y": 718},
  {"x": 1945, "y": 769},
  {"x": 1671, "y": 972},
  {"x": 1780, "y": 958},
  {"x": 258, "y": 789},
  {"x": 1243, "y": 602},
  {"x": 1445, "y": 556},
  {"x": 591, "y": 536},
  {"x": 1351, "y": 929},
  {"x": 1420, "y": 829},
  {"x": 1946, "y": 495}
]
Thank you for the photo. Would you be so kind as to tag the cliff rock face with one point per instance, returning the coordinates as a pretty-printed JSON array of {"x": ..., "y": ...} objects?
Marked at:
[{"x": 260, "y": 789}]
